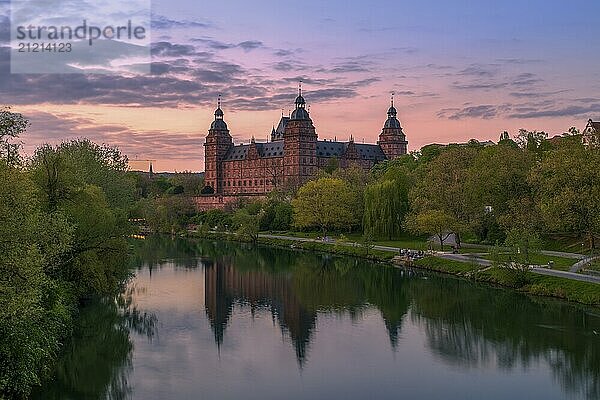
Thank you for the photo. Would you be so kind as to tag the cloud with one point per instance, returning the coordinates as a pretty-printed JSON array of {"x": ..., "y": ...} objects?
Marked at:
[
  {"x": 247, "y": 45},
  {"x": 250, "y": 45},
  {"x": 484, "y": 81},
  {"x": 478, "y": 70},
  {"x": 525, "y": 79},
  {"x": 568, "y": 111},
  {"x": 161, "y": 22},
  {"x": 348, "y": 67},
  {"x": 168, "y": 49},
  {"x": 534, "y": 94},
  {"x": 486, "y": 111},
  {"x": 519, "y": 61},
  {"x": 286, "y": 66},
  {"x": 478, "y": 85}
]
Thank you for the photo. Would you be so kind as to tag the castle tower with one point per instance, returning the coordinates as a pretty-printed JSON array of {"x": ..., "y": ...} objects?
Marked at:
[
  {"x": 217, "y": 144},
  {"x": 300, "y": 144},
  {"x": 392, "y": 139}
]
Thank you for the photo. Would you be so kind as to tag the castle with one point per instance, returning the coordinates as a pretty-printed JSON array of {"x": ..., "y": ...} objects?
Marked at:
[{"x": 292, "y": 156}]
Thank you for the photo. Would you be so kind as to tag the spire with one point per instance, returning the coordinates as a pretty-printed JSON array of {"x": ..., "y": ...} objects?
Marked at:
[
  {"x": 252, "y": 140},
  {"x": 300, "y": 88},
  {"x": 219, "y": 123},
  {"x": 218, "y": 111},
  {"x": 392, "y": 110}
]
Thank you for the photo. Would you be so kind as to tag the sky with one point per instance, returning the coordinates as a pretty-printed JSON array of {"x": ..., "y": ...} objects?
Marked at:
[{"x": 459, "y": 70}]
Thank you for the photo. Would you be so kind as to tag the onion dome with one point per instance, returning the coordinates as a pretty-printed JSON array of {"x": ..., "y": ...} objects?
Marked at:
[
  {"x": 218, "y": 123},
  {"x": 392, "y": 121},
  {"x": 300, "y": 111}
]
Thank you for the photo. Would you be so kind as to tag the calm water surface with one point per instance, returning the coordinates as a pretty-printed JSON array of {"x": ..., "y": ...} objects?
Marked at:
[{"x": 212, "y": 320}]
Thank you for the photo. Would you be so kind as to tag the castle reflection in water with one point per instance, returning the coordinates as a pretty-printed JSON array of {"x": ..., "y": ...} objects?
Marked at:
[{"x": 225, "y": 286}]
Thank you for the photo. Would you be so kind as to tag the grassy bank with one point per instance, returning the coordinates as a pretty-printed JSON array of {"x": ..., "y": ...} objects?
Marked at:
[{"x": 527, "y": 282}]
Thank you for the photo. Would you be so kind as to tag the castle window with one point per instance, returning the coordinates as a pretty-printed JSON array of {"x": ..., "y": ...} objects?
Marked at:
[
  {"x": 239, "y": 183},
  {"x": 244, "y": 183}
]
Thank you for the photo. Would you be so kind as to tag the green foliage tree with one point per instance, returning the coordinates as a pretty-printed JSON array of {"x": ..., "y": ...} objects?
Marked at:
[
  {"x": 568, "y": 189},
  {"x": 248, "y": 225},
  {"x": 277, "y": 216},
  {"x": 35, "y": 311},
  {"x": 440, "y": 185},
  {"x": 496, "y": 177},
  {"x": 326, "y": 203},
  {"x": 191, "y": 183},
  {"x": 168, "y": 214},
  {"x": 386, "y": 204},
  {"x": 12, "y": 125},
  {"x": 530, "y": 140},
  {"x": 433, "y": 222}
]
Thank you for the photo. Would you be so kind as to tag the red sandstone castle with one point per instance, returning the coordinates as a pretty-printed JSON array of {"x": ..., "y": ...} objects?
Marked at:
[{"x": 292, "y": 157}]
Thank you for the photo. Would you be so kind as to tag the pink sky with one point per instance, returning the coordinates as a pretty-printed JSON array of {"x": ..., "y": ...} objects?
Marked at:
[{"x": 460, "y": 71}]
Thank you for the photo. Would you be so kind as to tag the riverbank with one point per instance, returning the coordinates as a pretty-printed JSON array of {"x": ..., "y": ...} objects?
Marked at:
[{"x": 526, "y": 282}]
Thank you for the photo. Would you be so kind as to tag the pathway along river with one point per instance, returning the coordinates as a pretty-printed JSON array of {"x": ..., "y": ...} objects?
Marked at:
[{"x": 214, "y": 320}]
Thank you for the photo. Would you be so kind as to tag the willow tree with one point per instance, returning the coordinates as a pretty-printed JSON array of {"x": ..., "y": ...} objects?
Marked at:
[{"x": 385, "y": 206}]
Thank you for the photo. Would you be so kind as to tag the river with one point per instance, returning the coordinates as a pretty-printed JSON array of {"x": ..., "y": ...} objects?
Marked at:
[{"x": 216, "y": 320}]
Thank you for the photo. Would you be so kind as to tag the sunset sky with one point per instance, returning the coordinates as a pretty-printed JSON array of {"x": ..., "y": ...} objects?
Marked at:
[{"x": 460, "y": 70}]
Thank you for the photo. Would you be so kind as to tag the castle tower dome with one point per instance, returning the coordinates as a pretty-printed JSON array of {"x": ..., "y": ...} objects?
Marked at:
[
  {"x": 300, "y": 111},
  {"x": 392, "y": 121},
  {"x": 392, "y": 139},
  {"x": 219, "y": 123}
]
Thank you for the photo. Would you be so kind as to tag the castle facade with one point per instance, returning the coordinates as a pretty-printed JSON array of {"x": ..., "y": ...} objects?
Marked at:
[{"x": 292, "y": 156}]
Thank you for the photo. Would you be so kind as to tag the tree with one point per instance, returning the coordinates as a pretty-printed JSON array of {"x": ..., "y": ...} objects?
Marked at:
[
  {"x": 188, "y": 183},
  {"x": 433, "y": 222},
  {"x": 332, "y": 165},
  {"x": 35, "y": 310},
  {"x": 60, "y": 169},
  {"x": 386, "y": 204},
  {"x": 497, "y": 176},
  {"x": 530, "y": 140},
  {"x": 568, "y": 193},
  {"x": 12, "y": 125},
  {"x": 326, "y": 203},
  {"x": 248, "y": 225},
  {"x": 440, "y": 184}
]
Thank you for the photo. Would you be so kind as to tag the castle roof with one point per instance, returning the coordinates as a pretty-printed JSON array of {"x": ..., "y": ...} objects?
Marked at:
[
  {"x": 338, "y": 149},
  {"x": 265, "y": 150},
  {"x": 277, "y": 134},
  {"x": 324, "y": 149}
]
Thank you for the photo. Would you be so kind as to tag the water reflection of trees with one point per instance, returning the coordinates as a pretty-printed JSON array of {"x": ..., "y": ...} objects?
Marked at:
[
  {"x": 466, "y": 325},
  {"x": 97, "y": 362}
]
